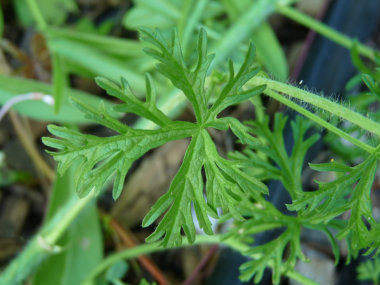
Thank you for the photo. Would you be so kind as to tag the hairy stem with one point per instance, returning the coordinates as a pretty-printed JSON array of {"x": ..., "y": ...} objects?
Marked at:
[
  {"x": 319, "y": 102},
  {"x": 324, "y": 30},
  {"x": 280, "y": 98},
  {"x": 61, "y": 226}
]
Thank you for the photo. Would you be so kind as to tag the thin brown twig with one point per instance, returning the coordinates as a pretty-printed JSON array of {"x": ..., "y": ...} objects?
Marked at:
[
  {"x": 129, "y": 242},
  {"x": 201, "y": 265},
  {"x": 31, "y": 148}
]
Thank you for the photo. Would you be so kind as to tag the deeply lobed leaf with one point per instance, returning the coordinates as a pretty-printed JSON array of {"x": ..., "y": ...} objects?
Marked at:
[
  {"x": 331, "y": 200},
  {"x": 226, "y": 186},
  {"x": 101, "y": 158},
  {"x": 288, "y": 167},
  {"x": 261, "y": 217},
  {"x": 173, "y": 66}
]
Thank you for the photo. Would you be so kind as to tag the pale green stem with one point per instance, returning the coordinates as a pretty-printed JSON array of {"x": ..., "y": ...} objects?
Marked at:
[
  {"x": 320, "y": 102},
  {"x": 200, "y": 239},
  {"x": 280, "y": 98},
  {"x": 37, "y": 15},
  {"x": 324, "y": 30},
  {"x": 53, "y": 236},
  {"x": 259, "y": 108},
  {"x": 44, "y": 243}
]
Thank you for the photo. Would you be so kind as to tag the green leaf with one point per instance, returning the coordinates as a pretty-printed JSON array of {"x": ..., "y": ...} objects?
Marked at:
[
  {"x": 99, "y": 159},
  {"x": 372, "y": 84},
  {"x": 363, "y": 234},
  {"x": 12, "y": 86},
  {"x": 231, "y": 92},
  {"x": 267, "y": 158},
  {"x": 117, "y": 270},
  {"x": 226, "y": 187},
  {"x": 186, "y": 187},
  {"x": 114, "y": 46},
  {"x": 329, "y": 197},
  {"x": 240, "y": 130},
  {"x": 243, "y": 96},
  {"x": 271, "y": 145},
  {"x": 332, "y": 166},
  {"x": 369, "y": 270},
  {"x": 270, "y": 52},
  {"x": 159, "y": 14},
  {"x": 334, "y": 244},
  {"x": 356, "y": 60},
  {"x": 273, "y": 251},
  {"x": 133, "y": 105},
  {"x": 166, "y": 14},
  {"x": 191, "y": 16},
  {"x": 59, "y": 81},
  {"x": 143, "y": 281},
  {"x": 94, "y": 61},
  {"x": 54, "y": 12},
  {"x": 330, "y": 201},
  {"x": 226, "y": 183},
  {"x": 169, "y": 54},
  {"x": 260, "y": 217},
  {"x": 235, "y": 8},
  {"x": 243, "y": 28}
]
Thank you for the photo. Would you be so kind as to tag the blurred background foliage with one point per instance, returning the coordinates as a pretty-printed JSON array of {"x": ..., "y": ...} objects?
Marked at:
[{"x": 57, "y": 47}]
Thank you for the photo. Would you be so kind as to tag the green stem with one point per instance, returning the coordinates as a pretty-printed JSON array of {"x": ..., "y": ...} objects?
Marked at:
[
  {"x": 324, "y": 30},
  {"x": 259, "y": 108},
  {"x": 321, "y": 103},
  {"x": 61, "y": 226},
  {"x": 36, "y": 12},
  {"x": 280, "y": 98},
  {"x": 200, "y": 239},
  {"x": 43, "y": 244},
  {"x": 138, "y": 251}
]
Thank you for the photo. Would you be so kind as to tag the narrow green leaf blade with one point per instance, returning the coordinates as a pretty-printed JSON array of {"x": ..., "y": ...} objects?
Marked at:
[
  {"x": 270, "y": 52},
  {"x": 12, "y": 86},
  {"x": 59, "y": 81}
]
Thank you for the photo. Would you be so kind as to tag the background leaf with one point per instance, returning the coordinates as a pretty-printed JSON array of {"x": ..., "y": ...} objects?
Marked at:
[
  {"x": 12, "y": 86},
  {"x": 270, "y": 52},
  {"x": 82, "y": 244},
  {"x": 54, "y": 11},
  {"x": 59, "y": 81}
]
